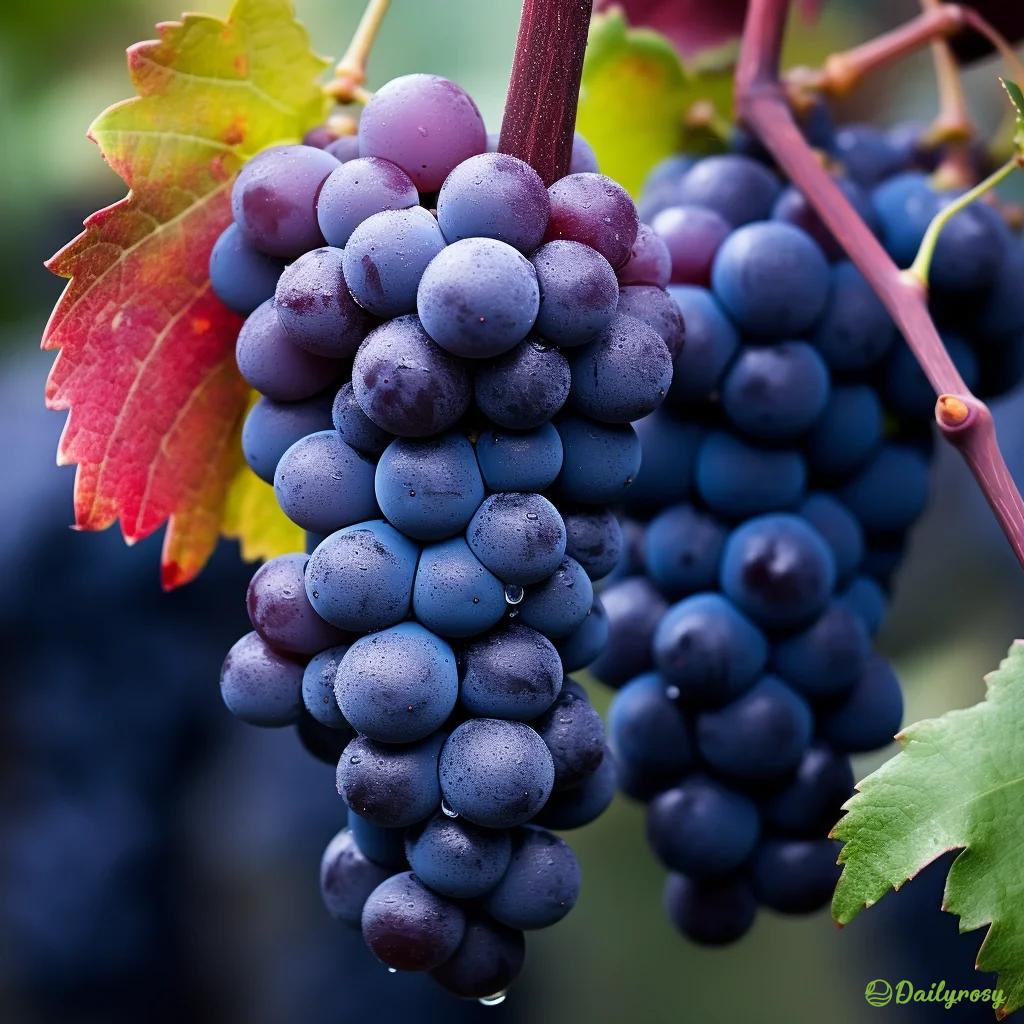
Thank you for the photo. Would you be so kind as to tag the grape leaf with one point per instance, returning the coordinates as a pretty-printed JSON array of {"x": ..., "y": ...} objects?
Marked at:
[
  {"x": 146, "y": 363},
  {"x": 1017, "y": 99},
  {"x": 958, "y": 783}
]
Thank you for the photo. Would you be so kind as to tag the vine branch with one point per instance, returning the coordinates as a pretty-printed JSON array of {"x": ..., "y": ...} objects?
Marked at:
[
  {"x": 761, "y": 103},
  {"x": 350, "y": 73},
  {"x": 543, "y": 92}
]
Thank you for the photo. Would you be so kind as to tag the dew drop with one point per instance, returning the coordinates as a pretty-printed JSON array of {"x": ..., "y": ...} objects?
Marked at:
[
  {"x": 496, "y": 1000},
  {"x": 532, "y": 516},
  {"x": 447, "y": 811},
  {"x": 514, "y": 593},
  {"x": 392, "y": 970},
  {"x": 316, "y": 594},
  {"x": 672, "y": 692},
  {"x": 355, "y": 760}
]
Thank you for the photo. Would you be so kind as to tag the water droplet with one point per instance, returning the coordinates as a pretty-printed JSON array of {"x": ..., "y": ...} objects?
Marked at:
[
  {"x": 532, "y": 516},
  {"x": 496, "y": 1000},
  {"x": 412, "y": 494},
  {"x": 672, "y": 692},
  {"x": 447, "y": 811},
  {"x": 514, "y": 593},
  {"x": 392, "y": 970},
  {"x": 476, "y": 600},
  {"x": 316, "y": 594},
  {"x": 355, "y": 760},
  {"x": 512, "y": 614},
  {"x": 629, "y": 480}
]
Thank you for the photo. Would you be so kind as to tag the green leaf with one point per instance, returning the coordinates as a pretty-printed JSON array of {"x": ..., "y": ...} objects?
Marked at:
[
  {"x": 958, "y": 783},
  {"x": 1017, "y": 99},
  {"x": 636, "y": 96}
]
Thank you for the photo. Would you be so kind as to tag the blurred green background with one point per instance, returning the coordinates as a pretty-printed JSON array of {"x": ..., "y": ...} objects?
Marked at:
[{"x": 957, "y": 602}]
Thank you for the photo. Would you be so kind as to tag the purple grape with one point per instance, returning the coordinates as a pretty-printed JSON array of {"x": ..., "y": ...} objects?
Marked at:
[
  {"x": 656, "y": 308},
  {"x": 406, "y": 383},
  {"x": 425, "y": 124},
  {"x": 273, "y": 365},
  {"x": 386, "y": 256},
  {"x": 271, "y": 428},
  {"x": 344, "y": 149},
  {"x": 523, "y": 388},
  {"x": 578, "y": 292},
  {"x": 485, "y": 964},
  {"x": 736, "y": 187},
  {"x": 810, "y": 804},
  {"x": 711, "y": 342},
  {"x": 359, "y": 189},
  {"x": 792, "y": 208},
  {"x": 574, "y": 735},
  {"x": 241, "y": 276},
  {"x": 595, "y": 210},
  {"x": 274, "y": 199},
  {"x": 259, "y": 685},
  {"x": 318, "y": 691},
  {"x": 347, "y": 877},
  {"x": 316, "y": 309},
  {"x": 280, "y": 612},
  {"x": 494, "y": 195},
  {"x": 584, "y": 159},
  {"x": 457, "y": 858},
  {"x": 357, "y": 430},
  {"x": 711, "y": 913},
  {"x": 693, "y": 236},
  {"x": 650, "y": 261},
  {"x": 319, "y": 137}
]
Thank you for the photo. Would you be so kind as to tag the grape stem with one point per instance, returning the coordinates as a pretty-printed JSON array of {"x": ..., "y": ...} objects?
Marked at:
[
  {"x": 761, "y": 103},
  {"x": 540, "y": 110},
  {"x": 919, "y": 269},
  {"x": 350, "y": 73}
]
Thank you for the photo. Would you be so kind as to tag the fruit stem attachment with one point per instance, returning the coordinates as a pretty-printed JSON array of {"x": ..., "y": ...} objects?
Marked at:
[
  {"x": 919, "y": 269},
  {"x": 953, "y": 123},
  {"x": 350, "y": 73},
  {"x": 762, "y": 107},
  {"x": 543, "y": 92}
]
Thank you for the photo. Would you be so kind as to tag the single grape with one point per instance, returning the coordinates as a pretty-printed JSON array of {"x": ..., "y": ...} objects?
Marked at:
[
  {"x": 623, "y": 374},
  {"x": 454, "y": 595},
  {"x": 406, "y": 383},
  {"x": 320, "y": 741},
  {"x": 391, "y": 786},
  {"x": 478, "y": 298},
  {"x": 316, "y": 309},
  {"x": 425, "y": 124},
  {"x": 457, "y": 858},
  {"x": 905, "y": 205},
  {"x": 241, "y": 276},
  {"x": 776, "y": 392},
  {"x": 360, "y": 578},
  {"x": 387, "y": 255},
  {"x": 682, "y": 550},
  {"x": 357, "y": 430},
  {"x": 905, "y": 387},
  {"x": 429, "y": 488},
  {"x": 868, "y": 600},
  {"x": 792, "y": 207},
  {"x": 693, "y": 235},
  {"x": 738, "y": 480},
  {"x": 582, "y": 646},
  {"x": 712, "y": 913},
  {"x": 891, "y": 491},
  {"x": 827, "y": 658},
  {"x": 847, "y": 434},
  {"x": 574, "y": 734},
  {"x": 656, "y": 308},
  {"x": 584, "y": 159},
  {"x": 662, "y": 185},
  {"x": 633, "y": 608},
  {"x": 280, "y": 612},
  {"x": 708, "y": 651},
  {"x": 595, "y": 210},
  {"x": 646, "y": 728},
  {"x": 669, "y": 447},
  {"x": 408, "y": 927},
  {"x": 318, "y": 688},
  {"x": 399, "y": 685},
  {"x": 487, "y": 961},
  {"x": 557, "y": 606},
  {"x": 650, "y": 261},
  {"x": 579, "y": 292},
  {"x": 383, "y": 846},
  {"x": 870, "y": 716},
  {"x": 772, "y": 279},
  {"x": 594, "y": 539},
  {"x": 527, "y": 461},
  {"x": 344, "y": 149},
  {"x": 760, "y": 736},
  {"x": 542, "y": 882},
  {"x": 599, "y": 460},
  {"x": 273, "y": 365},
  {"x": 796, "y": 876},
  {"x": 810, "y": 804},
  {"x": 840, "y": 528},
  {"x": 523, "y": 388},
  {"x": 271, "y": 428},
  {"x": 576, "y": 807},
  {"x": 519, "y": 537},
  {"x": 702, "y": 828},
  {"x": 855, "y": 331},
  {"x": 494, "y": 195},
  {"x": 319, "y": 137},
  {"x": 711, "y": 342},
  {"x": 867, "y": 153},
  {"x": 778, "y": 570},
  {"x": 358, "y": 190},
  {"x": 273, "y": 199},
  {"x": 260, "y": 686},
  {"x": 347, "y": 877},
  {"x": 322, "y": 485},
  {"x": 496, "y": 773},
  {"x": 1001, "y": 316},
  {"x": 738, "y": 188}
]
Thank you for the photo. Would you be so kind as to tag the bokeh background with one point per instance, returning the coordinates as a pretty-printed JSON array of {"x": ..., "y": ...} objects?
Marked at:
[{"x": 158, "y": 860}]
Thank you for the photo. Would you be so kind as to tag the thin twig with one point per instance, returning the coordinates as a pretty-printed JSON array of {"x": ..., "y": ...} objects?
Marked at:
[
  {"x": 350, "y": 73},
  {"x": 762, "y": 106},
  {"x": 953, "y": 123}
]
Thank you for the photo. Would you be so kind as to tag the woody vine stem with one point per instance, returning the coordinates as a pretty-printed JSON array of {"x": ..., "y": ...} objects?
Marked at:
[{"x": 762, "y": 105}]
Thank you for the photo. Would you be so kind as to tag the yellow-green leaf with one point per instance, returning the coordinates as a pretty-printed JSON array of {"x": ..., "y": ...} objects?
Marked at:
[{"x": 253, "y": 517}]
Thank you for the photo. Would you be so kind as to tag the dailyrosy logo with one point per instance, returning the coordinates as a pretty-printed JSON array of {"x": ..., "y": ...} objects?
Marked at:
[{"x": 880, "y": 993}]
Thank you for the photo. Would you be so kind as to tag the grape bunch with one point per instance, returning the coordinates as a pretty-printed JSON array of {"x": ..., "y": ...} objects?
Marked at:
[
  {"x": 450, "y": 356},
  {"x": 780, "y": 479}
]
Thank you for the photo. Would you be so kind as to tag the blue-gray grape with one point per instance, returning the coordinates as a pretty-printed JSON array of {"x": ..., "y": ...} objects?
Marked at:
[
  {"x": 457, "y": 858},
  {"x": 241, "y": 276},
  {"x": 271, "y": 428},
  {"x": 558, "y": 605},
  {"x": 454, "y": 595},
  {"x": 318, "y": 688},
  {"x": 520, "y": 460},
  {"x": 578, "y": 292},
  {"x": 519, "y": 537},
  {"x": 259, "y": 685},
  {"x": 523, "y": 388},
  {"x": 347, "y": 877}
]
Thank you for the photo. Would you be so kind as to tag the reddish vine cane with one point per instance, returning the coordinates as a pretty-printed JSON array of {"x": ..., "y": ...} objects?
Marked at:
[{"x": 762, "y": 106}]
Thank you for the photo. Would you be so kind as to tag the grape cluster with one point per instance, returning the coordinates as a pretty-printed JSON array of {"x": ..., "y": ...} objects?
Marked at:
[
  {"x": 780, "y": 479},
  {"x": 450, "y": 356}
]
